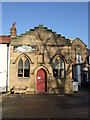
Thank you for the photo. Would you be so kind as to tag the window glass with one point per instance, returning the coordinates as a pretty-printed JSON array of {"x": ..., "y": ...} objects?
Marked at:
[
  {"x": 26, "y": 65},
  {"x": 26, "y": 68},
  {"x": 20, "y": 68},
  {"x": 78, "y": 58},
  {"x": 55, "y": 68},
  {"x": 55, "y": 64},
  {"x": 74, "y": 72},
  {"x": 55, "y": 73},
  {"x": 61, "y": 64},
  {"x": 61, "y": 69},
  {"x": 58, "y": 69}
]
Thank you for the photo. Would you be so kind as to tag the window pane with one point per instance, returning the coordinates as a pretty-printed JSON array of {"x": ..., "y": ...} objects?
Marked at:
[
  {"x": 61, "y": 64},
  {"x": 20, "y": 64},
  {"x": 55, "y": 64},
  {"x": 20, "y": 72},
  {"x": 26, "y": 65},
  {"x": 26, "y": 68},
  {"x": 26, "y": 72},
  {"x": 62, "y": 69},
  {"x": 55, "y": 73},
  {"x": 55, "y": 68},
  {"x": 78, "y": 58},
  {"x": 20, "y": 68},
  {"x": 61, "y": 73},
  {"x": 74, "y": 70}
]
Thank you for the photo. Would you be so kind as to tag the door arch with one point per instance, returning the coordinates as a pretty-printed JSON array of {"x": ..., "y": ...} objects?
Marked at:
[{"x": 41, "y": 81}]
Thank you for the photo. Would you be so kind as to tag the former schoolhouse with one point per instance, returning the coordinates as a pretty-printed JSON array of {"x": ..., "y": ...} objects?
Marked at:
[{"x": 42, "y": 61}]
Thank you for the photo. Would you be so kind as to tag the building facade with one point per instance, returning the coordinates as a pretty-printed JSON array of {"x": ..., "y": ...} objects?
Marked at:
[{"x": 42, "y": 61}]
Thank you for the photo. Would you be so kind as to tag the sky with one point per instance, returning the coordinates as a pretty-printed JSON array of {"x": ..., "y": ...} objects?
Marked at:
[{"x": 70, "y": 19}]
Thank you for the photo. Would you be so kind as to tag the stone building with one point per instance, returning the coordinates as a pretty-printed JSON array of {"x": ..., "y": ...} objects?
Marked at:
[
  {"x": 79, "y": 56},
  {"x": 42, "y": 61}
]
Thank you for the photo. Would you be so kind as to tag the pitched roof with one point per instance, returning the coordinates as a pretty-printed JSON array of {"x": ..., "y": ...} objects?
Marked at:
[
  {"x": 5, "y": 39},
  {"x": 78, "y": 39}
]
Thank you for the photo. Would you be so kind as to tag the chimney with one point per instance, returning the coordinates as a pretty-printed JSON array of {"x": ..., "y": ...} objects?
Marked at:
[{"x": 13, "y": 31}]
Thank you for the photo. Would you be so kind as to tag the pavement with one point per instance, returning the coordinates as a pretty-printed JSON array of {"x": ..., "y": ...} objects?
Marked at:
[{"x": 46, "y": 106}]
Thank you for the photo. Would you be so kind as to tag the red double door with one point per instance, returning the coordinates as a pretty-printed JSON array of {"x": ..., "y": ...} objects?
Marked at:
[{"x": 40, "y": 81}]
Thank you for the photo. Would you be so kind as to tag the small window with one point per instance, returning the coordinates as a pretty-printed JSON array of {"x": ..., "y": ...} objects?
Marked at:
[{"x": 78, "y": 58}]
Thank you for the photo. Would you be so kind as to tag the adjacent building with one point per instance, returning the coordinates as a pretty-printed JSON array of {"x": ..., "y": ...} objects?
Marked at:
[{"x": 4, "y": 63}]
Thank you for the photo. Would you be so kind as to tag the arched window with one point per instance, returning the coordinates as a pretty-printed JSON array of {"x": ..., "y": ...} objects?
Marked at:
[
  {"x": 23, "y": 68},
  {"x": 20, "y": 68},
  {"x": 58, "y": 68},
  {"x": 26, "y": 68}
]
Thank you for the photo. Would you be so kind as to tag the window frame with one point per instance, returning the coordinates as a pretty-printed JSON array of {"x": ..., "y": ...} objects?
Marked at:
[
  {"x": 23, "y": 60},
  {"x": 59, "y": 68},
  {"x": 79, "y": 58}
]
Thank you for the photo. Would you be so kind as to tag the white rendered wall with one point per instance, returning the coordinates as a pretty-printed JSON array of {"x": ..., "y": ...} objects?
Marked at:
[
  {"x": 3, "y": 67},
  {"x": 8, "y": 66}
]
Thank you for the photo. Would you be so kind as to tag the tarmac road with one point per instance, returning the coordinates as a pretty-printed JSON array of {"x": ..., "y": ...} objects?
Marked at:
[{"x": 46, "y": 106}]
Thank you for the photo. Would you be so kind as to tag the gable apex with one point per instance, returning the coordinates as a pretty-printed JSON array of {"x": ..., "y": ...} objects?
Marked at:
[{"x": 78, "y": 39}]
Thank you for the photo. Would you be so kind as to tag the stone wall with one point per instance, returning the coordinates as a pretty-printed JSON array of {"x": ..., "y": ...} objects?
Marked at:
[{"x": 53, "y": 85}]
